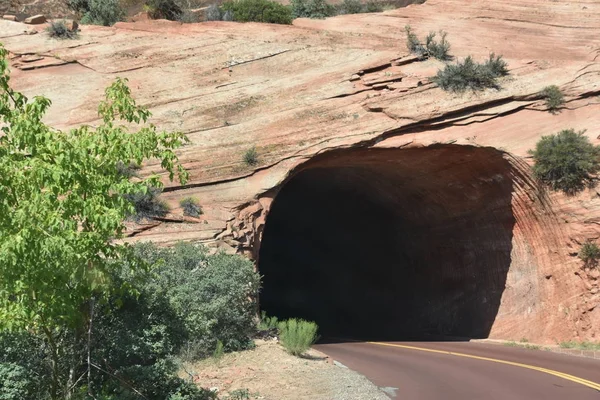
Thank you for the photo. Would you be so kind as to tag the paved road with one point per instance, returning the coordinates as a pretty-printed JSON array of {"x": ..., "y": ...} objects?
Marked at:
[{"x": 435, "y": 375}]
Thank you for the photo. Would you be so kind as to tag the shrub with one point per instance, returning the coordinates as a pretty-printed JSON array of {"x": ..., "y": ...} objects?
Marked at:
[
  {"x": 101, "y": 12},
  {"x": 130, "y": 170},
  {"x": 469, "y": 74},
  {"x": 432, "y": 47},
  {"x": 554, "y": 98},
  {"x": 164, "y": 9},
  {"x": 213, "y": 13},
  {"x": 251, "y": 157},
  {"x": 59, "y": 30},
  {"x": 373, "y": 7},
  {"x": 439, "y": 50},
  {"x": 80, "y": 6},
  {"x": 297, "y": 335},
  {"x": 214, "y": 295},
  {"x": 566, "y": 161},
  {"x": 267, "y": 323},
  {"x": 351, "y": 7},
  {"x": 191, "y": 207},
  {"x": 316, "y": 9},
  {"x": 147, "y": 204},
  {"x": 258, "y": 11},
  {"x": 589, "y": 254}
]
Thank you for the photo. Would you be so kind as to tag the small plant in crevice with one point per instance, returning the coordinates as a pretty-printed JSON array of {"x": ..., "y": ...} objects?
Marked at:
[
  {"x": 191, "y": 207},
  {"x": 589, "y": 254},
  {"x": 471, "y": 75},
  {"x": 60, "y": 30},
  {"x": 432, "y": 47},
  {"x": 554, "y": 98},
  {"x": 147, "y": 205},
  {"x": 297, "y": 335},
  {"x": 566, "y": 161},
  {"x": 251, "y": 157}
]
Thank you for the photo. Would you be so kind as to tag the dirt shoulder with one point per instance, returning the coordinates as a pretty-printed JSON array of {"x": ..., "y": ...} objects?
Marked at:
[{"x": 269, "y": 373}]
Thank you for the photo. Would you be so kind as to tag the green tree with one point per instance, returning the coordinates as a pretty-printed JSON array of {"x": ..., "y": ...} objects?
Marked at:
[
  {"x": 63, "y": 202},
  {"x": 566, "y": 161}
]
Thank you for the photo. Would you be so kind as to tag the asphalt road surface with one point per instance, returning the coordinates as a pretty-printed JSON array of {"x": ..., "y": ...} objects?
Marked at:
[{"x": 469, "y": 371}]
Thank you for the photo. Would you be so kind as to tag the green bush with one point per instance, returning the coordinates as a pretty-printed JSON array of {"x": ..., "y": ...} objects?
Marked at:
[
  {"x": 191, "y": 207},
  {"x": 316, "y": 9},
  {"x": 80, "y": 6},
  {"x": 432, "y": 48},
  {"x": 469, "y": 74},
  {"x": 566, "y": 161},
  {"x": 589, "y": 254},
  {"x": 351, "y": 7},
  {"x": 373, "y": 7},
  {"x": 267, "y": 322},
  {"x": 258, "y": 11},
  {"x": 147, "y": 205},
  {"x": 297, "y": 335},
  {"x": 101, "y": 12},
  {"x": 164, "y": 9},
  {"x": 251, "y": 157},
  {"x": 439, "y": 50},
  {"x": 554, "y": 98},
  {"x": 59, "y": 30},
  {"x": 214, "y": 295}
]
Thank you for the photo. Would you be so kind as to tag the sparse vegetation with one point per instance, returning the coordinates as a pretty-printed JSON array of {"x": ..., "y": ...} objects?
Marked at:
[
  {"x": 470, "y": 75},
  {"x": 98, "y": 12},
  {"x": 147, "y": 204},
  {"x": 256, "y": 11},
  {"x": 60, "y": 30},
  {"x": 191, "y": 207},
  {"x": 267, "y": 323},
  {"x": 432, "y": 48},
  {"x": 316, "y": 9},
  {"x": 554, "y": 98},
  {"x": 589, "y": 254},
  {"x": 566, "y": 161},
  {"x": 297, "y": 335},
  {"x": 580, "y": 345},
  {"x": 251, "y": 157},
  {"x": 164, "y": 9}
]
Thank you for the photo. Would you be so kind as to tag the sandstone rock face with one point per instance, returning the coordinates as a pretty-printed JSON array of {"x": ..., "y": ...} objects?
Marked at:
[{"x": 315, "y": 97}]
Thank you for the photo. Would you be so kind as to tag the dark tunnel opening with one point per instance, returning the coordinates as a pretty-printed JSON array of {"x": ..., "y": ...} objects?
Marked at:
[{"x": 391, "y": 244}]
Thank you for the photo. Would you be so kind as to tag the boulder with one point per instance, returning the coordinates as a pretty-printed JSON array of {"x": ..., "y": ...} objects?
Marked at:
[
  {"x": 10, "y": 18},
  {"x": 35, "y": 20}
]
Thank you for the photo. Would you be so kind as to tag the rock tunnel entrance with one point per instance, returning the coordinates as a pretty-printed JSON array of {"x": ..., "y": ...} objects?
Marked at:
[{"x": 391, "y": 243}]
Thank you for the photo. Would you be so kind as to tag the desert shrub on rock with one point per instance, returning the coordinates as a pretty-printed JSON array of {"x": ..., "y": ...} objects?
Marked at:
[
  {"x": 554, "y": 98},
  {"x": 432, "y": 48},
  {"x": 471, "y": 75},
  {"x": 60, "y": 30},
  {"x": 589, "y": 254},
  {"x": 147, "y": 204},
  {"x": 257, "y": 11},
  {"x": 566, "y": 161},
  {"x": 251, "y": 157},
  {"x": 191, "y": 207}
]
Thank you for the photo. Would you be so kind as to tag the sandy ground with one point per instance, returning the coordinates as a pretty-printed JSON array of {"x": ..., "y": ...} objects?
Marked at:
[{"x": 269, "y": 373}]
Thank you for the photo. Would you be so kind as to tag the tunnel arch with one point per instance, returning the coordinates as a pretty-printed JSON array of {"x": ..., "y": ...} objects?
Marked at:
[{"x": 393, "y": 243}]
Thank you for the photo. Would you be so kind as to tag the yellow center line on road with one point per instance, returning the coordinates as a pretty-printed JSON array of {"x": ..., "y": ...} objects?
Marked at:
[{"x": 571, "y": 378}]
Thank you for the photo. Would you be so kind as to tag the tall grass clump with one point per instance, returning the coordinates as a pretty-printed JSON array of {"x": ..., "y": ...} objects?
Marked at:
[{"x": 297, "y": 335}]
